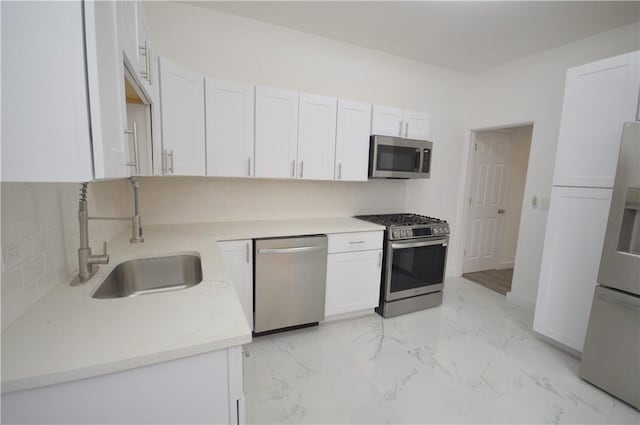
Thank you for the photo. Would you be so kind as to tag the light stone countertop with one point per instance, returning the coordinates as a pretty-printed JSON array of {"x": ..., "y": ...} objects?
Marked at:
[{"x": 68, "y": 335}]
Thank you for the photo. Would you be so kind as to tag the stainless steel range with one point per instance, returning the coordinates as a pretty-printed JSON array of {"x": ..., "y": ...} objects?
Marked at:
[{"x": 415, "y": 258}]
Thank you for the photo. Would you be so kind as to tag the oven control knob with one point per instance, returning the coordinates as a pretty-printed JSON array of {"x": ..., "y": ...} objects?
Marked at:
[
  {"x": 435, "y": 230},
  {"x": 396, "y": 233},
  {"x": 409, "y": 233}
]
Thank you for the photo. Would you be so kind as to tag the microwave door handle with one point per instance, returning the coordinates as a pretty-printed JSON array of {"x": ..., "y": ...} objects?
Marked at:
[{"x": 420, "y": 157}]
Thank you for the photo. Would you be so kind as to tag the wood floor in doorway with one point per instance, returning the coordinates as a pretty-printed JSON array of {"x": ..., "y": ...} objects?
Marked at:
[{"x": 496, "y": 280}]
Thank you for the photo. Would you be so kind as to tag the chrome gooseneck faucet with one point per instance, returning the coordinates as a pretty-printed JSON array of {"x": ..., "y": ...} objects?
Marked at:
[{"x": 87, "y": 262}]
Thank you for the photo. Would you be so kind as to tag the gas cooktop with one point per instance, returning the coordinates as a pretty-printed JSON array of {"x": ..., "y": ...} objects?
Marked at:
[{"x": 408, "y": 226}]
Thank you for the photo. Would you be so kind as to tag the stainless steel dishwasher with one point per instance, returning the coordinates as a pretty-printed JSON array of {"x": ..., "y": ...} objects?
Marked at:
[{"x": 290, "y": 282}]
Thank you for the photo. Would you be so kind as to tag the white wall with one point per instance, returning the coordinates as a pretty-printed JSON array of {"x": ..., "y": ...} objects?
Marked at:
[
  {"x": 196, "y": 199},
  {"x": 531, "y": 90},
  {"x": 235, "y": 48},
  {"x": 40, "y": 236}
]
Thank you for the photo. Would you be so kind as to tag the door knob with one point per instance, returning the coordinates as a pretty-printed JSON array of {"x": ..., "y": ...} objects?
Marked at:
[{"x": 501, "y": 211}]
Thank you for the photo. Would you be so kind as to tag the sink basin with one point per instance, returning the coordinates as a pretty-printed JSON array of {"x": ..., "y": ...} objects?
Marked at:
[{"x": 151, "y": 275}]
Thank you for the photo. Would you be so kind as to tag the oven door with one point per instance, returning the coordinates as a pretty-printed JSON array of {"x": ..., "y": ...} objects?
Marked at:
[{"x": 414, "y": 267}]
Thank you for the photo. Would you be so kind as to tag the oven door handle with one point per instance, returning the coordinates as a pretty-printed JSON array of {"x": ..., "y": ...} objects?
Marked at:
[{"x": 402, "y": 245}]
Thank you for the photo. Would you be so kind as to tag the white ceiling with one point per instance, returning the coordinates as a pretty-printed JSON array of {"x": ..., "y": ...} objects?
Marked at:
[{"x": 467, "y": 36}]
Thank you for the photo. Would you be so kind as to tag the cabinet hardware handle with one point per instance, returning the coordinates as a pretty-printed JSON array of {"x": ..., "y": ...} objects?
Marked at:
[
  {"x": 249, "y": 167},
  {"x": 248, "y": 260},
  {"x": 163, "y": 161},
  {"x": 406, "y": 130},
  {"x": 380, "y": 259},
  {"x": 171, "y": 162},
  {"x": 400, "y": 129},
  {"x": 301, "y": 168},
  {"x": 136, "y": 150},
  {"x": 355, "y": 242},
  {"x": 149, "y": 63},
  {"x": 340, "y": 171},
  {"x": 290, "y": 250},
  {"x": 293, "y": 168},
  {"x": 146, "y": 51}
]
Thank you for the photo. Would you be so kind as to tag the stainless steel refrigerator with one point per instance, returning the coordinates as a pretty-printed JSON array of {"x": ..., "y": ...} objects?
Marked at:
[{"x": 611, "y": 355}]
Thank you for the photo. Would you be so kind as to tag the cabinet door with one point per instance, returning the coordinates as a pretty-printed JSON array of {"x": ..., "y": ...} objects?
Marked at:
[
  {"x": 238, "y": 257},
  {"x": 128, "y": 32},
  {"x": 572, "y": 248},
  {"x": 316, "y": 137},
  {"x": 144, "y": 72},
  {"x": 45, "y": 119},
  {"x": 276, "y": 132},
  {"x": 417, "y": 125},
  {"x": 352, "y": 141},
  {"x": 229, "y": 109},
  {"x": 387, "y": 121},
  {"x": 182, "y": 111},
  {"x": 599, "y": 97},
  {"x": 353, "y": 281},
  {"x": 105, "y": 79}
]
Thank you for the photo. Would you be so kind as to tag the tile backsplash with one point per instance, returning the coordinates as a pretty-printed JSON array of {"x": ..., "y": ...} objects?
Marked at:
[{"x": 39, "y": 236}]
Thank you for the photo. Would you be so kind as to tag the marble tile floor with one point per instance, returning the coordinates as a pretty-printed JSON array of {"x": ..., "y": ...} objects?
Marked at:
[{"x": 474, "y": 359}]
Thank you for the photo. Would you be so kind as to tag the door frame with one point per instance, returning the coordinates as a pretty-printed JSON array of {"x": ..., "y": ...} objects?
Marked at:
[{"x": 465, "y": 184}]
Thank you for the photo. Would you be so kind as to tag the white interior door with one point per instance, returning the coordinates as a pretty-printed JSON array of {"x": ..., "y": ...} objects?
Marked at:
[{"x": 487, "y": 200}]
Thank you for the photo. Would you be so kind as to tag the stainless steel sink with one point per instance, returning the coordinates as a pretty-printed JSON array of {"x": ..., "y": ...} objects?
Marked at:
[{"x": 151, "y": 275}]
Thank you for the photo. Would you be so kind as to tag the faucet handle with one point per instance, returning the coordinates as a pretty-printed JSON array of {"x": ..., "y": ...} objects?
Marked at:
[{"x": 104, "y": 248}]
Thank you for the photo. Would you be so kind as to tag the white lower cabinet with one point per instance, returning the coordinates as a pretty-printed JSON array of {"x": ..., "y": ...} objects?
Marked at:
[
  {"x": 353, "y": 275},
  {"x": 205, "y": 388},
  {"x": 238, "y": 257},
  {"x": 572, "y": 248}
]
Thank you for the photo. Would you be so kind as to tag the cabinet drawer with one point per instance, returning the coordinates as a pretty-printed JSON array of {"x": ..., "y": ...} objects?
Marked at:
[{"x": 356, "y": 241}]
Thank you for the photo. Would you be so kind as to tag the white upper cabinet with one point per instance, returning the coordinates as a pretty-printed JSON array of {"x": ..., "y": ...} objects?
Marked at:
[
  {"x": 77, "y": 95},
  {"x": 316, "y": 137},
  {"x": 352, "y": 141},
  {"x": 128, "y": 32},
  {"x": 417, "y": 125},
  {"x": 45, "y": 119},
  {"x": 105, "y": 77},
  {"x": 183, "y": 120},
  {"x": 145, "y": 70},
  {"x": 396, "y": 122},
  {"x": 387, "y": 121},
  {"x": 135, "y": 42},
  {"x": 599, "y": 97},
  {"x": 276, "y": 132},
  {"x": 229, "y": 123}
]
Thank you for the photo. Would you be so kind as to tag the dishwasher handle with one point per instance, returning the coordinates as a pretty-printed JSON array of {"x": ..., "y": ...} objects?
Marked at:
[{"x": 290, "y": 250}]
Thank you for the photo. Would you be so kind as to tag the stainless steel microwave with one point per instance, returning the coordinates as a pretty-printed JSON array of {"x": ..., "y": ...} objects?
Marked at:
[{"x": 397, "y": 158}]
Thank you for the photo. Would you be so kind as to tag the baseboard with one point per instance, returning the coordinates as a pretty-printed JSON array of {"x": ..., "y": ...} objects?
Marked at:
[
  {"x": 505, "y": 265},
  {"x": 349, "y": 315},
  {"x": 521, "y": 302},
  {"x": 452, "y": 272},
  {"x": 559, "y": 345}
]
